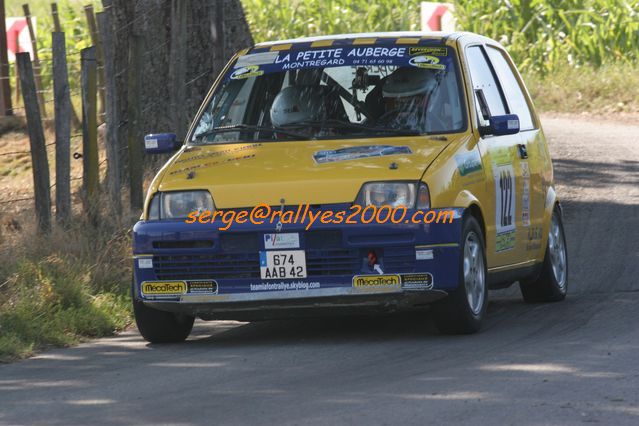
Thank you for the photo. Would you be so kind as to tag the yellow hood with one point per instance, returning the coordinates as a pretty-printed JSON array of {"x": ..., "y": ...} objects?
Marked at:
[{"x": 315, "y": 172}]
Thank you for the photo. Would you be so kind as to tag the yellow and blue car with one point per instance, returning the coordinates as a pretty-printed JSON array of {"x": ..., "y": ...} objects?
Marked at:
[{"x": 412, "y": 121}]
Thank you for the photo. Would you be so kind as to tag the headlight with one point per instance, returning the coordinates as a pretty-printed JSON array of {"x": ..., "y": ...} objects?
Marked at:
[
  {"x": 394, "y": 194},
  {"x": 177, "y": 205}
]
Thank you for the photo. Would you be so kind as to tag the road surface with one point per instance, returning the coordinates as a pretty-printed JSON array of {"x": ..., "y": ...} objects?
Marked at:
[{"x": 566, "y": 363}]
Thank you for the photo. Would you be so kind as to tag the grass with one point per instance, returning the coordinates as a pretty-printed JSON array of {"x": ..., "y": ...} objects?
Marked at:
[
  {"x": 608, "y": 89},
  {"x": 58, "y": 290}
]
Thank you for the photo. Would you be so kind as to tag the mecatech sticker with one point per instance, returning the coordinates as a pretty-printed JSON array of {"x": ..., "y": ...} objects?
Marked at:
[
  {"x": 163, "y": 288},
  {"x": 376, "y": 281}
]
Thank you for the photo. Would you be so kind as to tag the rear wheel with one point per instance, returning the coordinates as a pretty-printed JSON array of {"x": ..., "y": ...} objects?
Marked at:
[
  {"x": 463, "y": 310},
  {"x": 552, "y": 283},
  {"x": 160, "y": 326}
]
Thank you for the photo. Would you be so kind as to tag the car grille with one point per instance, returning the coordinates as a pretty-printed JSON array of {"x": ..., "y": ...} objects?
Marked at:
[{"x": 325, "y": 256}]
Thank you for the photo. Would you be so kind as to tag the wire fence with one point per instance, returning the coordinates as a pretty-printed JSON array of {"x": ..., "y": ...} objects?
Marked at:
[{"x": 43, "y": 71}]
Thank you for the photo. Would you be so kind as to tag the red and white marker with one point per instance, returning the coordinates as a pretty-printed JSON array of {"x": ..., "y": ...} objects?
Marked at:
[
  {"x": 17, "y": 31},
  {"x": 438, "y": 16}
]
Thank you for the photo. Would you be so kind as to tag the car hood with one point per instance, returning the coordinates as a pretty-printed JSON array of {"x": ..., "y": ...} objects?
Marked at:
[{"x": 314, "y": 172}]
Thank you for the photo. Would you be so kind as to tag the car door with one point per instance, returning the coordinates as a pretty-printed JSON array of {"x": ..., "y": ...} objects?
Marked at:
[
  {"x": 501, "y": 161},
  {"x": 533, "y": 157}
]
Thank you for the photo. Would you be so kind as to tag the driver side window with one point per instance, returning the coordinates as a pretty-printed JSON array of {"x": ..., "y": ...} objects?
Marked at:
[{"x": 483, "y": 77}]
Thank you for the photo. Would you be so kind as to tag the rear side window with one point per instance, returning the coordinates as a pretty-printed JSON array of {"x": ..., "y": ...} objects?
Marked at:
[
  {"x": 512, "y": 90},
  {"x": 483, "y": 78}
]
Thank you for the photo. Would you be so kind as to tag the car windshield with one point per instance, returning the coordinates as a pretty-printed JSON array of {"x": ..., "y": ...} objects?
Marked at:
[{"x": 335, "y": 92}]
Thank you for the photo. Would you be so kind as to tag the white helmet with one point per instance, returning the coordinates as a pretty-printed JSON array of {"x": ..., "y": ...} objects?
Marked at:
[
  {"x": 405, "y": 82},
  {"x": 295, "y": 104}
]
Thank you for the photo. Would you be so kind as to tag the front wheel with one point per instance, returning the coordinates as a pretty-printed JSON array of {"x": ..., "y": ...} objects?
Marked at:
[
  {"x": 160, "y": 326},
  {"x": 552, "y": 283},
  {"x": 464, "y": 308}
]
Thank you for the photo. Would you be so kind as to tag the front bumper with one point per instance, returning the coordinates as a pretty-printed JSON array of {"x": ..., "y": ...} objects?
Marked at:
[{"x": 220, "y": 270}]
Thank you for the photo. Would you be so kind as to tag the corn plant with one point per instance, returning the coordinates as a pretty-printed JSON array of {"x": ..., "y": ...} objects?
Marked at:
[{"x": 542, "y": 35}]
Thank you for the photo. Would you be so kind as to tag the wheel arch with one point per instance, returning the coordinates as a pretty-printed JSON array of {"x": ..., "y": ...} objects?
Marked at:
[
  {"x": 474, "y": 210},
  {"x": 472, "y": 206}
]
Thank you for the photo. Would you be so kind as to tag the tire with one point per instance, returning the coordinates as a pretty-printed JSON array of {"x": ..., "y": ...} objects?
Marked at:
[
  {"x": 552, "y": 283},
  {"x": 157, "y": 326},
  {"x": 463, "y": 310}
]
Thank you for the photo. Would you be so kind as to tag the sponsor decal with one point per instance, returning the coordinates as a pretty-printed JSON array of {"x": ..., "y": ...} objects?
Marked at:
[
  {"x": 505, "y": 186},
  {"x": 525, "y": 196},
  {"x": 430, "y": 51},
  {"x": 202, "y": 287},
  {"x": 423, "y": 254},
  {"x": 246, "y": 72},
  {"x": 188, "y": 157},
  {"x": 145, "y": 262},
  {"x": 285, "y": 286},
  {"x": 150, "y": 143},
  {"x": 426, "y": 61},
  {"x": 376, "y": 281},
  {"x": 281, "y": 241},
  {"x": 501, "y": 156},
  {"x": 423, "y": 281},
  {"x": 505, "y": 241},
  {"x": 256, "y": 59},
  {"x": 534, "y": 239},
  {"x": 355, "y": 152},
  {"x": 213, "y": 163},
  {"x": 468, "y": 163},
  {"x": 325, "y": 56},
  {"x": 163, "y": 288}
]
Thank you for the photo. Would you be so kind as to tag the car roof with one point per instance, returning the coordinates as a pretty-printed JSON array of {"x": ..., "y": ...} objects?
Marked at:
[{"x": 394, "y": 34}]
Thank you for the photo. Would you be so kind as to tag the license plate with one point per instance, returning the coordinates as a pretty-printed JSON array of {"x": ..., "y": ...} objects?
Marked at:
[{"x": 282, "y": 264}]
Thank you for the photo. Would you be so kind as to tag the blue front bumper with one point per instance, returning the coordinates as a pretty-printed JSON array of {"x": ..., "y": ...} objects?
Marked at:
[{"x": 220, "y": 270}]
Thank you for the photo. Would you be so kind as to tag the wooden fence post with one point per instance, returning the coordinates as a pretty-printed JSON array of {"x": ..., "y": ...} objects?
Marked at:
[
  {"x": 90, "y": 132},
  {"x": 36, "y": 60},
  {"x": 111, "y": 120},
  {"x": 17, "y": 46},
  {"x": 39, "y": 162},
  {"x": 134, "y": 113},
  {"x": 58, "y": 29},
  {"x": 95, "y": 39},
  {"x": 56, "y": 18},
  {"x": 5, "y": 84},
  {"x": 62, "y": 107}
]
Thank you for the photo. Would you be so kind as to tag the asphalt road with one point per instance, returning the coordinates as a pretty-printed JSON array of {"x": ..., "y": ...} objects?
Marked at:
[{"x": 566, "y": 363}]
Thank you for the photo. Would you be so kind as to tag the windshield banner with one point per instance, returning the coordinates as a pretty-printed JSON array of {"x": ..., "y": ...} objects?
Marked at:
[{"x": 256, "y": 64}]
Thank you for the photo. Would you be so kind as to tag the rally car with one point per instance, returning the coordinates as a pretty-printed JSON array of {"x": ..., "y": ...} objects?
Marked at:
[{"x": 414, "y": 121}]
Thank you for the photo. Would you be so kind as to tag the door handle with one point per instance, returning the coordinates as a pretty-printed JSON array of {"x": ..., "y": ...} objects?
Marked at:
[{"x": 522, "y": 151}]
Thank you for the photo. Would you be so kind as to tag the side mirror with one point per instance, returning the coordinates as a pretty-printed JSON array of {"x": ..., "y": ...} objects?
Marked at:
[
  {"x": 160, "y": 143},
  {"x": 501, "y": 125}
]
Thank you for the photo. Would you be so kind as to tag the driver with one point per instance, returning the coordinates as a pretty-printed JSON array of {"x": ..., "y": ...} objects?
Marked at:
[{"x": 406, "y": 93}]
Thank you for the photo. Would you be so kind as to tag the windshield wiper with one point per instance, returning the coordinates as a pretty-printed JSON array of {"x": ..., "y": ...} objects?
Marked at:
[
  {"x": 336, "y": 123},
  {"x": 248, "y": 127}
]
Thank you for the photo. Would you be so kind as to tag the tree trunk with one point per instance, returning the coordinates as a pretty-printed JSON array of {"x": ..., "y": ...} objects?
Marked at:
[{"x": 167, "y": 107}]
